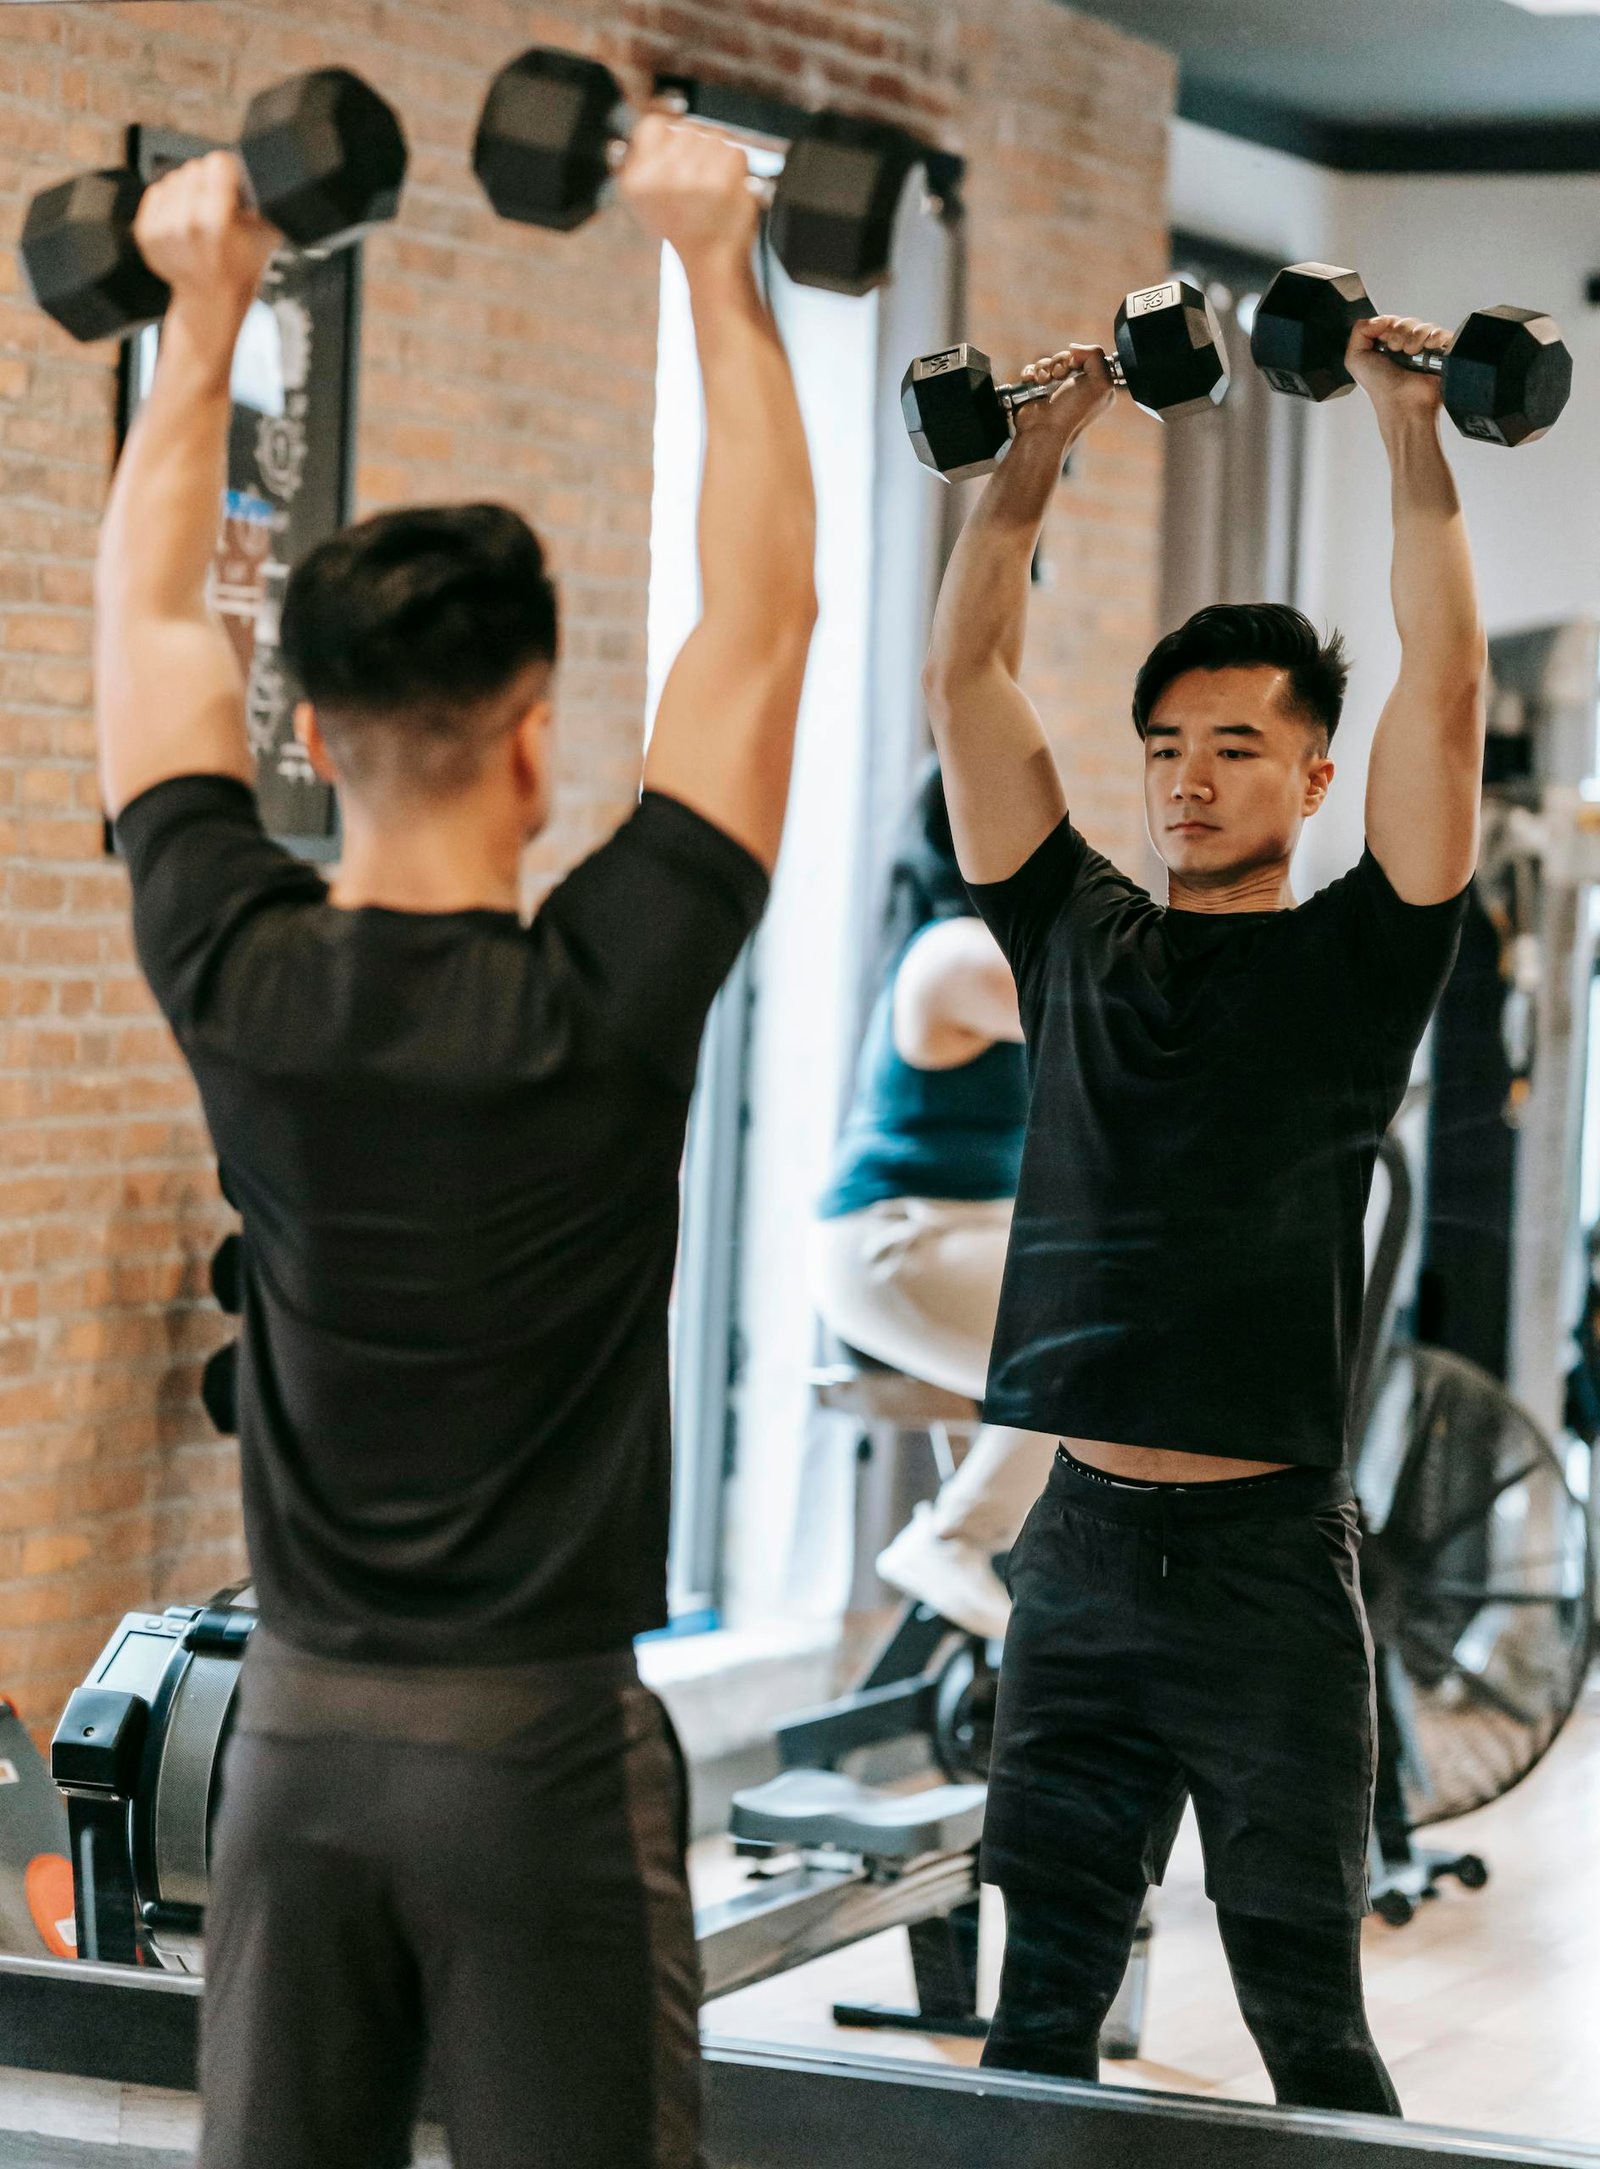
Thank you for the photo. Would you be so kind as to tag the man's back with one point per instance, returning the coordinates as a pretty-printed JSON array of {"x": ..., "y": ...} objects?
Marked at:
[{"x": 454, "y": 1141}]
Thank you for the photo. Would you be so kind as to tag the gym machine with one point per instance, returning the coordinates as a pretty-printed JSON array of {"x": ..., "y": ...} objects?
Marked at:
[
  {"x": 138, "y": 1753},
  {"x": 1505, "y": 1280},
  {"x": 776, "y": 2108}
]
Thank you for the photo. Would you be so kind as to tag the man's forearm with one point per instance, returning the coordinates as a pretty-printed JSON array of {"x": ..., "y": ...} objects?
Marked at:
[
  {"x": 982, "y": 614},
  {"x": 723, "y": 739},
  {"x": 1433, "y": 585},
  {"x": 757, "y": 522},
  {"x": 159, "y": 534}
]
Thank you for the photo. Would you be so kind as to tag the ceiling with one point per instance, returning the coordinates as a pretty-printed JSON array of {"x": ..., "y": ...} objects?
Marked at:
[{"x": 1386, "y": 85}]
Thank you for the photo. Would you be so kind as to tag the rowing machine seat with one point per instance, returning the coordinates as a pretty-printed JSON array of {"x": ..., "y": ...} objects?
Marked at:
[{"x": 823, "y": 1811}]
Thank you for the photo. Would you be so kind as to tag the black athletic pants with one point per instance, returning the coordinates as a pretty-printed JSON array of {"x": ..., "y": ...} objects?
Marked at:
[
  {"x": 1169, "y": 1643},
  {"x": 481, "y": 1870}
]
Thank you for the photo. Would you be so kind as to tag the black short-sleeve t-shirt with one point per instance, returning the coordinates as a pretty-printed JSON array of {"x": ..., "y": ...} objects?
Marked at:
[
  {"x": 1208, "y": 1096},
  {"x": 454, "y": 1140}
]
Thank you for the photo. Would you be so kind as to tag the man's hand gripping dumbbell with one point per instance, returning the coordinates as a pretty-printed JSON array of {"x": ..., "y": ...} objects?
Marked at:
[{"x": 1169, "y": 358}]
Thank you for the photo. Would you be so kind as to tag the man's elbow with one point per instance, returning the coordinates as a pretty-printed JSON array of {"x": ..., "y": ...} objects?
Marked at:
[
  {"x": 944, "y": 682},
  {"x": 121, "y": 591},
  {"x": 787, "y": 625},
  {"x": 936, "y": 686},
  {"x": 1471, "y": 704}
]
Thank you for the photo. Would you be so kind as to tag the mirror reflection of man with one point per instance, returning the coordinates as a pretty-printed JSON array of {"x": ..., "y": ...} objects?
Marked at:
[{"x": 1210, "y": 1083}]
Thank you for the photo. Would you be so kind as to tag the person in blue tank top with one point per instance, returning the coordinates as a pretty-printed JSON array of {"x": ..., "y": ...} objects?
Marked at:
[{"x": 910, "y": 1239}]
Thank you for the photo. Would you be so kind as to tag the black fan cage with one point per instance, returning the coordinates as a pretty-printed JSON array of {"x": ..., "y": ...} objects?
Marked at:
[{"x": 1478, "y": 1576}]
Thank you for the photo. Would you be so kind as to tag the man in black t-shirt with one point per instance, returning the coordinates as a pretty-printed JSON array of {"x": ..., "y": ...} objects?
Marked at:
[
  {"x": 1182, "y": 1297},
  {"x": 451, "y": 1813}
]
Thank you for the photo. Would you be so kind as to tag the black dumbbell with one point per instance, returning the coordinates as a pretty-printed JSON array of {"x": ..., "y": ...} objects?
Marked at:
[
  {"x": 324, "y": 158},
  {"x": 1506, "y": 374},
  {"x": 548, "y": 141},
  {"x": 1170, "y": 359}
]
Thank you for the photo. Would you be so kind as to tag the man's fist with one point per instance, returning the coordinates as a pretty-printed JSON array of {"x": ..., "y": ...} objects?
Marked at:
[
  {"x": 1084, "y": 390},
  {"x": 690, "y": 188},
  {"x": 1393, "y": 391},
  {"x": 195, "y": 229}
]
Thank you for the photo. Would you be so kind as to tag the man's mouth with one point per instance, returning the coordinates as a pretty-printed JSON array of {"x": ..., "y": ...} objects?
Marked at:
[{"x": 1192, "y": 828}]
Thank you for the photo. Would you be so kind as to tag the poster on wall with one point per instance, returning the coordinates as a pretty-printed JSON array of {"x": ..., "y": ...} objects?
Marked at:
[{"x": 288, "y": 485}]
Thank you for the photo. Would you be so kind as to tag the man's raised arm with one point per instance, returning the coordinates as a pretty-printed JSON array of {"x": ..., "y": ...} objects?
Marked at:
[
  {"x": 1000, "y": 777},
  {"x": 169, "y": 697},
  {"x": 723, "y": 740},
  {"x": 1424, "y": 784}
]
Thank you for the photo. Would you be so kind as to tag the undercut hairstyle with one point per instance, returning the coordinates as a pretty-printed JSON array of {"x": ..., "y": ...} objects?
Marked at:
[
  {"x": 413, "y": 635},
  {"x": 1245, "y": 636}
]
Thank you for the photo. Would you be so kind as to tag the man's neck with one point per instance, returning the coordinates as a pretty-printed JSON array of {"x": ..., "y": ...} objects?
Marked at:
[
  {"x": 1256, "y": 888},
  {"x": 430, "y": 863}
]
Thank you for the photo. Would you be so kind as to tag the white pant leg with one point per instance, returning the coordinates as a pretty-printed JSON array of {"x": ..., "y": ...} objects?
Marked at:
[{"x": 915, "y": 1282}]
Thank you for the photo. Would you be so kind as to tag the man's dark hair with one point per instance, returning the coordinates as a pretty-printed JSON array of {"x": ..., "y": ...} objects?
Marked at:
[
  {"x": 408, "y": 631},
  {"x": 1234, "y": 636}
]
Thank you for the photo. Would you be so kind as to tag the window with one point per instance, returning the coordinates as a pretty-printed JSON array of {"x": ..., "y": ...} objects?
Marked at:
[{"x": 781, "y": 1044}]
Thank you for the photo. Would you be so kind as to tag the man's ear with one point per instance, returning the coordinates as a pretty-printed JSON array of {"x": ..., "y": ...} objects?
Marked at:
[
  {"x": 1319, "y": 777},
  {"x": 309, "y": 732},
  {"x": 530, "y": 748}
]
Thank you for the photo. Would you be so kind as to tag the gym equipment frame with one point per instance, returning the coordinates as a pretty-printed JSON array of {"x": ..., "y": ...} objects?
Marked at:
[{"x": 772, "y": 2108}]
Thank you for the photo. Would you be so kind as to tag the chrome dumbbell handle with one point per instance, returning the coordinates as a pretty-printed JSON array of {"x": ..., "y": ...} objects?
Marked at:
[{"x": 1012, "y": 396}]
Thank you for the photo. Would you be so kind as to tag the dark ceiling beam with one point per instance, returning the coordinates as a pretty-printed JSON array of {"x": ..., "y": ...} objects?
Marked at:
[{"x": 1568, "y": 146}]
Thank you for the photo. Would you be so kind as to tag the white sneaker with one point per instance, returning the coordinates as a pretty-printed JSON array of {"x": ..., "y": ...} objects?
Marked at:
[{"x": 957, "y": 1579}]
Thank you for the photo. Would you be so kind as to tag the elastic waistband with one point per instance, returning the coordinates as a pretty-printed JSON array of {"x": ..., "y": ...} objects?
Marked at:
[
  {"x": 297, "y": 1694},
  {"x": 1282, "y": 1492}
]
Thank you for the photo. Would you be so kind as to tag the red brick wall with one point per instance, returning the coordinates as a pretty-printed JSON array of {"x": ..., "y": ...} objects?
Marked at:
[{"x": 495, "y": 362}]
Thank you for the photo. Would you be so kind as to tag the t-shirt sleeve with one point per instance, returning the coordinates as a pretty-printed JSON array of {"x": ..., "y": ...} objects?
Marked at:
[
  {"x": 1021, "y": 910},
  {"x": 202, "y": 866},
  {"x": 1401, "y": 953},
  {"x": 650, "y": 926}
]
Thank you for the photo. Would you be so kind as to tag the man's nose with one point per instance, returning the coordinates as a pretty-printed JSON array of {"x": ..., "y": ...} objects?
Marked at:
[{"x": 1192, "y": 781}]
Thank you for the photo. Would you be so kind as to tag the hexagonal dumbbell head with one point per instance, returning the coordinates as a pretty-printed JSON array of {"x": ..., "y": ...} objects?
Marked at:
[
  {"x": 79, "y": 257},
  {"x": 325, "y": 156},
  {"x": 542, "y": 150},
  {"x": 833, "y": 210},
  {"x": 1507, "y": 375},
  {"x": 953, "y": 413},
  {"x": 1170, "y": 345},
  {"x": 1302, "y": 328}
]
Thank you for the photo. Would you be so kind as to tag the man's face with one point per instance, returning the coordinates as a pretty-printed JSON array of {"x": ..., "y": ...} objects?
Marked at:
[{"x": 1230, "y": 774}]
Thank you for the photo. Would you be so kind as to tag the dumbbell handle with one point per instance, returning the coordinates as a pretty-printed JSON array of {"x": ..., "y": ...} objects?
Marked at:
[
  {"x": 1429, "y": 363},
  {"x": 675, "y": 106},
  {"x": 1012, "y": 396}
]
